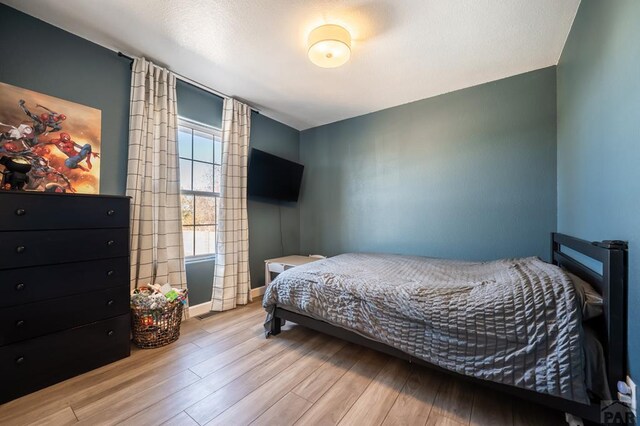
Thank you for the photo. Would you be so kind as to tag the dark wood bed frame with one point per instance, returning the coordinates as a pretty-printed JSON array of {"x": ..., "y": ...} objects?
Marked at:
[{"x": 611, "y": 327}]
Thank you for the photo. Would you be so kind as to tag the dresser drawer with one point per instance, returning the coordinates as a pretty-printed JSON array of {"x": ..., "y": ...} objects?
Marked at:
[
  {"x": 37, "y": 319},
  {"x": 26, "y": 285},
  {"x": 37, "y": 363},
  {"x": 31, "y": 211},
  {"x": 32, "y": 248}
]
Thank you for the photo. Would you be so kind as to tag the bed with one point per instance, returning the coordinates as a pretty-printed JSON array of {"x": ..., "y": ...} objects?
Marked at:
[{"x": 515, "y": 324}]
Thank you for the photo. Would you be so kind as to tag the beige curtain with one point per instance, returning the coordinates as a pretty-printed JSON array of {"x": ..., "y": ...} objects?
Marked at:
[
  {"x": 231, "y": 285},
  {"x": 157, "y": 253}
]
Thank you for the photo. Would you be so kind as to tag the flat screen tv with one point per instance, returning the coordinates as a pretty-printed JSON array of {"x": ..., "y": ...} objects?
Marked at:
[{"x": 273, "y": 177}]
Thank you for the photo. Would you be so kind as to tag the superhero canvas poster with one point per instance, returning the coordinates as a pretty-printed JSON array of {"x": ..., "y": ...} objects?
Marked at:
[{"x": 47, "y": 143}]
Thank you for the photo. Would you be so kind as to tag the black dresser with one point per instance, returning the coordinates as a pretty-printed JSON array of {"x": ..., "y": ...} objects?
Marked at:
[{"x": 64, "y": 287}]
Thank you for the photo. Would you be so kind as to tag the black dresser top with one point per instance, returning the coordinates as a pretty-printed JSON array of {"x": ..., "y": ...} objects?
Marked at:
[{"x": 58, "y": 194}]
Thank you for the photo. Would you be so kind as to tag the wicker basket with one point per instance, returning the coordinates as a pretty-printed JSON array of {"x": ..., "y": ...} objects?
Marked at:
[{"x": 153, "y": 328}]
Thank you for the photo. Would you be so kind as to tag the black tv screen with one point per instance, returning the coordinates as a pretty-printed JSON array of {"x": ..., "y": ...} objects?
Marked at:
[{"x": 273, "y": 177}]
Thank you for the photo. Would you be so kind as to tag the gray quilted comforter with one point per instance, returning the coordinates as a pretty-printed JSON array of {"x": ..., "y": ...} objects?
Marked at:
[{"x": 512, "y": 321}]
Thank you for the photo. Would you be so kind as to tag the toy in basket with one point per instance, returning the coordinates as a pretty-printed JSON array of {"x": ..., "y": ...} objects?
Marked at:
[{"x": 156, "y": 314}]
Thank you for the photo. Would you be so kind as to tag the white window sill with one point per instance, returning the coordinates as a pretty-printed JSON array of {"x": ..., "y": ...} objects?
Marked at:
[{"x": 202, "y": 258}]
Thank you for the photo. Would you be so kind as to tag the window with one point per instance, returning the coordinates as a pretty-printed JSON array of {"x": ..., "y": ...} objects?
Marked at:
[{"x": 200, "y": 150}]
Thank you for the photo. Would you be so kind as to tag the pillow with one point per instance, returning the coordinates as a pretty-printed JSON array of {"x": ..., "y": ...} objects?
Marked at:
[{"x": 589, "y": 299}]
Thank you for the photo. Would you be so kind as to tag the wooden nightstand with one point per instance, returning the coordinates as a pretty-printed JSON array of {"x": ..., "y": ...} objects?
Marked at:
[{"x": 273, "y": 267}]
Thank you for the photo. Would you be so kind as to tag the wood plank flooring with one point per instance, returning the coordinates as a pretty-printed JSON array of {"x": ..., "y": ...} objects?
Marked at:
[{"x": 223, "y": 371}]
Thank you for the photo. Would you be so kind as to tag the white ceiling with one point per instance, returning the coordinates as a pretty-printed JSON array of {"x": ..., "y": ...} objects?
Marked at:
[{"x": 403, "y": 50}]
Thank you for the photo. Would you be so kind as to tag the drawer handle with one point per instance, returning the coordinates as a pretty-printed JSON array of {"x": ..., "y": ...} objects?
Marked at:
[
  {"x": 20, "y": 249},
  {"x": 110, "y": 333},
  {"x": 111, "y": 212},
  {"x": 19, "y": 286},
  {"x": 21, "y": 212},
  {"x": 20, "y": 323},
  {"x": 110, "y": 303},
  {"x": 20, "y": 360},
  {"x": 110, "y": 273},
  {"x": 110, "y": 242}
]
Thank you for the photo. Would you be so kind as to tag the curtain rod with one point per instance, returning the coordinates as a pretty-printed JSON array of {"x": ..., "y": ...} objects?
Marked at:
[{"x": 196, "y": 84}]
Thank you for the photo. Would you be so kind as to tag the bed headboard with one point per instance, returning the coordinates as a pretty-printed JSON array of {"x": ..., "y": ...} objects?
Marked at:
[{"x": 612, "y": 285}]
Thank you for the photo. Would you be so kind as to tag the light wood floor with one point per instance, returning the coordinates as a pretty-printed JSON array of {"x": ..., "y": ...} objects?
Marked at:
[{"x": 223, "y": 371}]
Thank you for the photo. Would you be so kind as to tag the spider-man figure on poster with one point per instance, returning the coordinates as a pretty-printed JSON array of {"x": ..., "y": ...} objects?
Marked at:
[
  {"x": 74, "y": 151},
  {"x": 44, "y": 123}
]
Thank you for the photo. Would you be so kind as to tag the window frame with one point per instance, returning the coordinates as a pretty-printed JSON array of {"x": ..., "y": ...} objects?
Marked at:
[{"x": 215, "y": 132}]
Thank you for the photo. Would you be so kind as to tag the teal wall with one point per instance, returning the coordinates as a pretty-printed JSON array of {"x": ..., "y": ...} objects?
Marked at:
[
  {"x": 38, "y": 56},
  {"x": 469, "y": 174},
  {"x": 199, "y": 280},
  {"x": 80, "y": 71},
  {"x": 199, "y": 105},
  {"x": 599, "y": 137}
]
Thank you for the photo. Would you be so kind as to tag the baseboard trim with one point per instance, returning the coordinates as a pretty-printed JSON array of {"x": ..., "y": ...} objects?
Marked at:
[
  {"x": 205, "y": 307},
  {"x": 200, "y": 309},
  {"x": 258, "y": 291}
]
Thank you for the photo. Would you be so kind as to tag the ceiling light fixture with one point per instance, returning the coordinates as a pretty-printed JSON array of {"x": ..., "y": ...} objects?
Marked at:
[{"x": 329, "y": 46}]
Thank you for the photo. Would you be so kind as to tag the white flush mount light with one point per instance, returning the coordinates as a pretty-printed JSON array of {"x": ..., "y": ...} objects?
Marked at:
[{"x": 329, "y": 46}]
